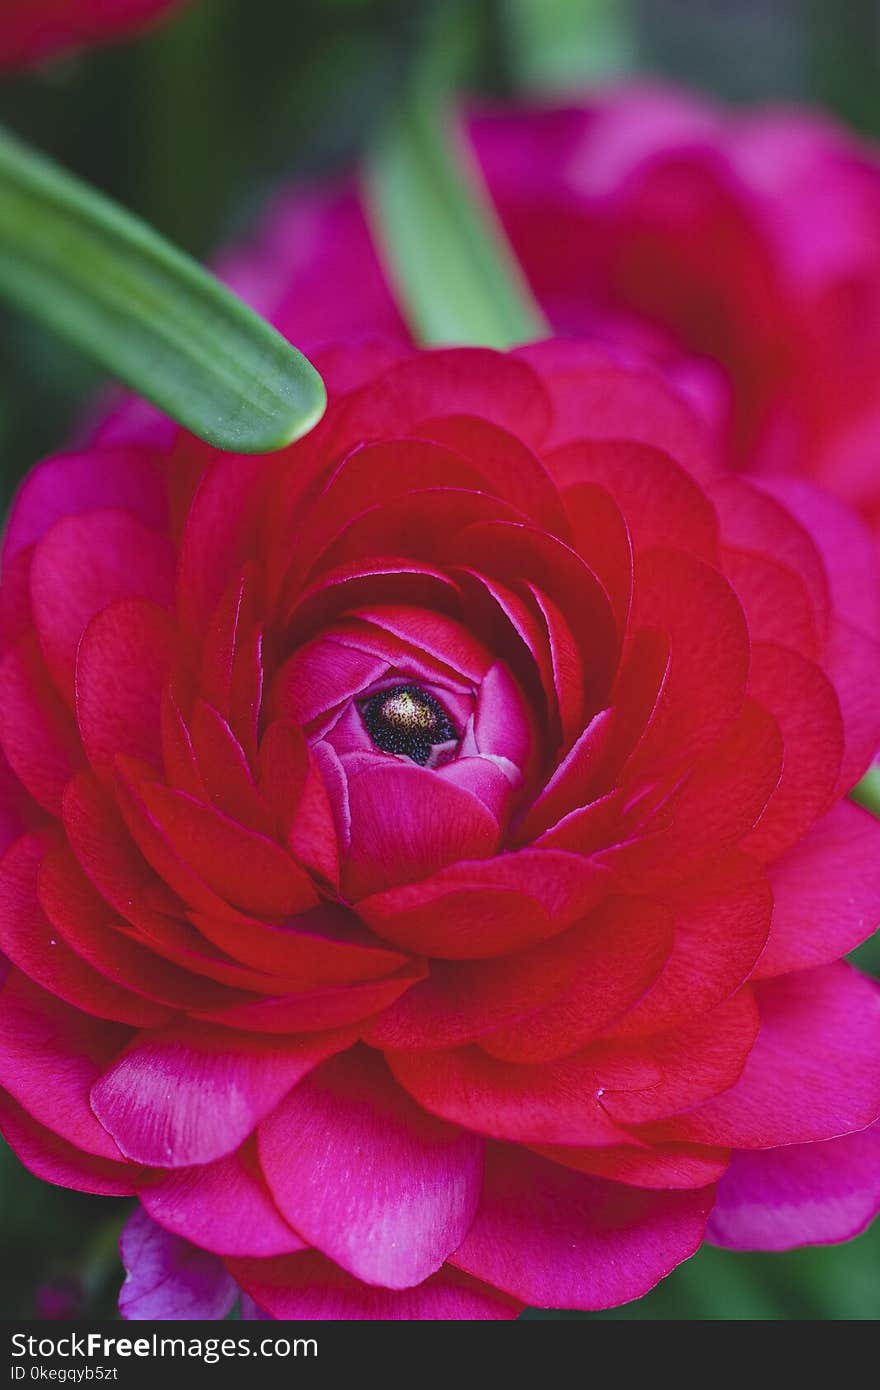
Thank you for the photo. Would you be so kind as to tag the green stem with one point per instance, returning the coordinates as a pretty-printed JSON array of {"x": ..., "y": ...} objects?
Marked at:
[
  {"x": 146, "y": 312},
  {"x": 446, "y": 254}
]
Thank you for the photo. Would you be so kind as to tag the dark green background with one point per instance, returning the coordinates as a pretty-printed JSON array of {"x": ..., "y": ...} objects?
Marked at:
[{"x": 193, "y": 126}]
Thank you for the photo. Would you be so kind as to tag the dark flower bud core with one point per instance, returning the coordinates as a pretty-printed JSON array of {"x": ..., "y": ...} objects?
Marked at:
[{"x": 407, "y": 720}]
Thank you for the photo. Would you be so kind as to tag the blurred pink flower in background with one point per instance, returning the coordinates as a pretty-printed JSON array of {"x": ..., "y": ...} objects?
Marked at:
[
  {"x": 32, "y": 30},
  {"x": 737, "y": 250}
]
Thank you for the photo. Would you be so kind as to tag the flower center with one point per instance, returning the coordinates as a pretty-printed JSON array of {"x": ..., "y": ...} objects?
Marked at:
[{"x": 405, "y": 719}]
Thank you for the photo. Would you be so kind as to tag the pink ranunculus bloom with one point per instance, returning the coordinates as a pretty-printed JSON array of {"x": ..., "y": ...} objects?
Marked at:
[
  {"x": 32, "y": 30},
  {"x": 740, "y": 251},
  {"x": 437, "y": 868}
]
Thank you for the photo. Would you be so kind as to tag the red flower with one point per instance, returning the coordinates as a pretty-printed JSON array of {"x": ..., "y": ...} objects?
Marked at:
[
  {"x": 438, "y": 867},
  {"x": 31, "y": 30},
  {"x": 738, "y": 251}
]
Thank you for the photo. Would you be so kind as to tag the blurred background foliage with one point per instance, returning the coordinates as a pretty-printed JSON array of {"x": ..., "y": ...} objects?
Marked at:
[{"x": 192, "y": 126}]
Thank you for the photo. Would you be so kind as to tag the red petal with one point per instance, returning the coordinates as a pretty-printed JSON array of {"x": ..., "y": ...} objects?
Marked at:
[
  {"x": 847, "y": 548},
  {"x": 663, "y": 1166},
  {"x": 123, "y": 660},
  {"x": 511, "y": 470},
  {"x": 331, "y": 1007},
  {"x": 556, "y": 1103},
  {"x": 37, "y": 733},
  {"x": 594, "y": 398},
  {"x": 803, "y": 702},
  {"x": 722, "y": 917},
  {"x": 752, "y": 520},
  {"x": 475, "y": 381},
  {"x": 488, "y": 908},
  {"x": 85, "y": 563},
  {"x": 610, "y": 977},
  {"x": 324, "y": 946},
  {"x": 709, "y": 661},
  {"x": 697, "y": 1060},
  {"x": 31, "y": 942},
  {"x": 601, "y": 535},
  {"x": 660, "y": 502},
  {"x": 237, "y": 864}
]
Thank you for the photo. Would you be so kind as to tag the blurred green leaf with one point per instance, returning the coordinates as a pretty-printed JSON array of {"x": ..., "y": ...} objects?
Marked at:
[
  {"x": 445, "y": 252},
  {"x": 146, "y": 312},
  {"x": 559, "y": 44},
  {"x": 867, "y": 792}
]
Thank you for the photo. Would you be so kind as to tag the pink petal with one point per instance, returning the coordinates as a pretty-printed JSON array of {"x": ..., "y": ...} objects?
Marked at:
[
  {"x": 127, "y": 479},
  {"x": 169, "y": 1279},
  {"x": 805, "y": 1194},
  {"x": 223, "y": 1207},
  {"x": 192, "y": 1094},
  {"x": 309, "y": 1287},
  {"x": 410, "y": 1183},
  {"x": 814, "y": 922},
  {"x": 813, "y": 1074},
  {"x": 406, "y": 824},
  {"x": 845, "y": 544},
  {"x": 50, "y": 1055},
  {"x": 55, "y": 1160},
  {"x": 319, "y": 676},
  {"x": 560, "y": 1239}
]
